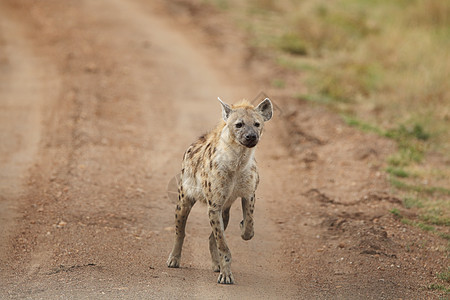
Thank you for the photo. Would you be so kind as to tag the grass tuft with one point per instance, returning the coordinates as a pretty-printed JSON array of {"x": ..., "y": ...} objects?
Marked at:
[
  {"x": 439, "y": 287},
  {"x": 397, "y": 172},
  {"x": 411, "y": 202},
  {"x": 445, "y": 276},
  {"x": 292, "y": 44},
  {"x": 396, "y": 212}
]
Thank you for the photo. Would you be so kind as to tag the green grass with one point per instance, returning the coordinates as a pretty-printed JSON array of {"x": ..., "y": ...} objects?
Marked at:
[
  {"x": 439, "y": 287},
  {"x": 395, "y": 212},
  {"x": 445, "y": 236},
  {"x": 364, "y": 126},
  {"x": 410, "y": 141},
  {"x": 411, "y": 202},
  {"x": 436, "y": 219},
  {"x": 293, "y": 44},
  {"x": 430, "y": 190},
  {"x": 431, "y": 203},
  {"x": 444, "y": 276},
  {"x": 397, "y": 172},
  {"x": 426, "y": 227},
  {"x": 410, "y": 222}
]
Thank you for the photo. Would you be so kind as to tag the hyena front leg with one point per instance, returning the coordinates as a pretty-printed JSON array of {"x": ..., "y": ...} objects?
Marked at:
[
  {"x": 248, "y": 207},
  {"x": 182, "y": 211},
  {"x": 217, "y": 225},
  {"x": 215, "y": 257}
]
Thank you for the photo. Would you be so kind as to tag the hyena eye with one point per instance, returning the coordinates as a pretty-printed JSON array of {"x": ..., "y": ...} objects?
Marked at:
[
  {"x": 257, "y": 124},
  {"x": 239, "y": 125}
]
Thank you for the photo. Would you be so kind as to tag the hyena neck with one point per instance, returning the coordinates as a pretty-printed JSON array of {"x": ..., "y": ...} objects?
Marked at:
[{"x": 231, "y": 153}]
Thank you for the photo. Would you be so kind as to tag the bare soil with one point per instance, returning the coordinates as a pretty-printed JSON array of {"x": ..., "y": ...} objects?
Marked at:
[{"x": 99, "y": 100}]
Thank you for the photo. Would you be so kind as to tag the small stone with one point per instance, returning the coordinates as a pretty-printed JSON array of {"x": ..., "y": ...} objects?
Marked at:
[
  {"x": 61, "y": 224},
  {"x": 91, "y": 68}
]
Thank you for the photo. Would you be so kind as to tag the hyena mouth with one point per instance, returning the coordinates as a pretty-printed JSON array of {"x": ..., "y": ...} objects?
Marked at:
[{"x": 250, "y": 144}]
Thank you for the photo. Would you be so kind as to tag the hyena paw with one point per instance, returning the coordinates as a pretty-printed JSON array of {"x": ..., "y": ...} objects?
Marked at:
[
  {"x": 225, "y": 278},
  {"x": 173, "y": 261},
  {"x": 246, "y": 232}
]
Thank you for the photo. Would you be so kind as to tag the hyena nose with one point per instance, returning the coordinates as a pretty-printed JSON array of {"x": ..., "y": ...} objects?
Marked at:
[{"x": 250, "y": 137}]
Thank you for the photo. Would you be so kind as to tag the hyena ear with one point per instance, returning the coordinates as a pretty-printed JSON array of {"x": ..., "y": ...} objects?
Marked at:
[
  {"x": 265, "y": 109},
  {"x": 226, "y": 110}
]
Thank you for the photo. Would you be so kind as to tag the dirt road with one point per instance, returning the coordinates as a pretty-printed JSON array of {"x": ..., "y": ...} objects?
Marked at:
[{"x": 99, "y": 99}]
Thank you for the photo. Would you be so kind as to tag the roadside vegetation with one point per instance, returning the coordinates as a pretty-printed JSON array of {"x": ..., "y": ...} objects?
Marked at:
[{"x": 384, "y": 66}]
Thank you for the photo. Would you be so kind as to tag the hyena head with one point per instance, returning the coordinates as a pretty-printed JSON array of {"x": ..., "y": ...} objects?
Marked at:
[{"x": 245, "y": 122}]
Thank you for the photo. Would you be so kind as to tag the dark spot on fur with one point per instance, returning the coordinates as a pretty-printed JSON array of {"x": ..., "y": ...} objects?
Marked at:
[
  {"x": 202, "y": 138},
  {"x": 209, "y": 202},
  {"x": 178, "y": 207},
  {"x": 195, "y": 167},
  {"x": 209, "y": 152},
  {"x": 196, "y": 150}
]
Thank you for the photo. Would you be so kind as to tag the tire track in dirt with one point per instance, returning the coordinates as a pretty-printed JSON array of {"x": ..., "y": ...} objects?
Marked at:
[{"x": 27, "y": 82}]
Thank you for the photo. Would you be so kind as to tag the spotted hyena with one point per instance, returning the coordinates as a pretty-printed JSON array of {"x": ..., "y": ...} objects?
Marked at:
[{"x": 218, "y": 168}]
